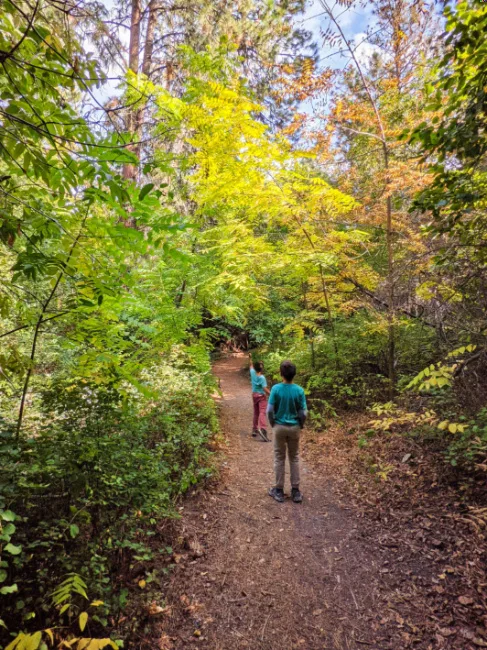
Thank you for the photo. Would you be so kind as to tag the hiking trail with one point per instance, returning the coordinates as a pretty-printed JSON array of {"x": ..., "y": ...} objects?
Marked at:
[{"x": 265, "y": 575}]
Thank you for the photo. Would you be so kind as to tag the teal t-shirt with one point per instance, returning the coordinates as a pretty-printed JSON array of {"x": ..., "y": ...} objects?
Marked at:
[
  {"x": 258, "y": 382},
  {"x": 287, "y": 400}
]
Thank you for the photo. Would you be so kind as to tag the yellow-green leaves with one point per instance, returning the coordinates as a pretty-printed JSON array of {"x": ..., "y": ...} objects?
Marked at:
[
  {"x": 82, "y": 620},
  {"x": 34, "y": 642},
  {"x": 440, "y": 375},
  {"x": 452, "y": 427},
  {"x": 26, "y": 642}
]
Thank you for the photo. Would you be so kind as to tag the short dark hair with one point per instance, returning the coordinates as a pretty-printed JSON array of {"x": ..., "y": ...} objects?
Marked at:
[
  {"x": 259, "y": 366},
  {"x": 288, "y": 370}
]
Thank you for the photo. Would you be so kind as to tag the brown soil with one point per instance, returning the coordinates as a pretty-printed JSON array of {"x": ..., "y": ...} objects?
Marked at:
[
  {"x": 271, "y": 576},
  {"x": 334, "y": 573}
]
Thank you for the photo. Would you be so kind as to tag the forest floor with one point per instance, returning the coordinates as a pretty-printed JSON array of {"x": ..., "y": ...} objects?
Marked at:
[{"x": 356, "y": 565}]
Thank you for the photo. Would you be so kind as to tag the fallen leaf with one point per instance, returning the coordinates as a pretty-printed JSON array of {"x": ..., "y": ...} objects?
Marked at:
[
  {"x": 317, "y": 612},
  {"x": 470, "y": 635},
  {"x": 465, "y": 600},
  {"x": 142, "y": 584},
  {"x": 447, "y": 631},
  {"x": 196, "y": 548},
  {"x": 155, "y": 610},
  {"x": 165, "y": 643}
]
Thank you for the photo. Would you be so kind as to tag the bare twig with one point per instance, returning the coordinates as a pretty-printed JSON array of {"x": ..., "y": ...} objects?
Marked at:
[{"x": 264, "y": 628}]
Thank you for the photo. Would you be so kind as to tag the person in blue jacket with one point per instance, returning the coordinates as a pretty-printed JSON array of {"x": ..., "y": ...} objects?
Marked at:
[
  {"x": 259, "y": 399},
  {"x": 287, "y": 411}
]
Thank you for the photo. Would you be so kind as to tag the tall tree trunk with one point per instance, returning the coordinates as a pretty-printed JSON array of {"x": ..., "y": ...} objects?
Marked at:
[
  {"x": 130, "y": 170},
  {"x": 391, "y": 311},
  {"x": 146, "y": 68},
  {"x": 149, "y": 37}
]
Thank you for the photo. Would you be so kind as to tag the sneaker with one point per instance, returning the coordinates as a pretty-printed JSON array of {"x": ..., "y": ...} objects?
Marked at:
[
  {"x": 277, "y": 494},
  {"x": 296, "y": 495},
  {"x": 254, "y": 433},
  {"x": 263, "y": 435}
]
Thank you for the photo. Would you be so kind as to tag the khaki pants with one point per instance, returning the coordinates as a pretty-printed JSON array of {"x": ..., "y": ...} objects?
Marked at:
[{"x": 286, "y": 437}]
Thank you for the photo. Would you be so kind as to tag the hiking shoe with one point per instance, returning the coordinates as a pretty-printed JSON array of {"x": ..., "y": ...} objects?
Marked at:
[
  {"x": 296, "y": 495},
  {"x": 277, "y": 494},
  {"x": 263, "y": 435}
]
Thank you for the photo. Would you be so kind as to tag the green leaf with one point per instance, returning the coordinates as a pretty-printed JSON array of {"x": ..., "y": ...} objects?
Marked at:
[
  {"x": 73, "y": 530},
  {"x": 83, "y": 620},
  {"x": 12, "y": 549},
  {"x": 8, "y": 530},
  {"x": 145, "y": 191},
  {"x": 9, "y": 589},
  {"x": 8, "y": 515}
]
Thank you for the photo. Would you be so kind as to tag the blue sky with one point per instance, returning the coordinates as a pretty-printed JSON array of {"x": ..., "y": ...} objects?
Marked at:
[{"x": 354, "y": 22}]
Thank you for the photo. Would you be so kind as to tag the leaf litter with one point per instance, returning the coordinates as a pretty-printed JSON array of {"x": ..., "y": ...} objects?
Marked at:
[{"x": 390, "y": 565}]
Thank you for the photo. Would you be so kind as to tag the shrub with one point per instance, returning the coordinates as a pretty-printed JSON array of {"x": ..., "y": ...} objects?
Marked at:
[{"x": 90, "y": 484}]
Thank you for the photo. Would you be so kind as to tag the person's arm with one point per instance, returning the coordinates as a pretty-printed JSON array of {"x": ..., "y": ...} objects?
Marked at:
[
  {"x": 303, "y": 410},
  {"x": 264, "y": 386},
  {"x": 270, "y": 409},
  {"x": 251, "y": 363}
]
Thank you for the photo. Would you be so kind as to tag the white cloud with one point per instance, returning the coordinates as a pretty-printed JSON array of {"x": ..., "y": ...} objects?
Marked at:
[{"x": 364, "y": 50}]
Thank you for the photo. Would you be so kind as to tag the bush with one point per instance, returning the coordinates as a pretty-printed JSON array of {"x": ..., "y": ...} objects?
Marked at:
[
  {"x": 349, "y": 369},
  {"x": 91, "y": 483}
]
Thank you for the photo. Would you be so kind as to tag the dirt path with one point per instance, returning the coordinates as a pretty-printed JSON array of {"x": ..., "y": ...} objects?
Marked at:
[{"x": 268, "y": 576}]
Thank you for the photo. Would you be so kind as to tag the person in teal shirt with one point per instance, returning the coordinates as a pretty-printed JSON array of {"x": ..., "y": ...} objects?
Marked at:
[
  {"x": 287, "y": 411},
  {"x": 259, "y": 399}
]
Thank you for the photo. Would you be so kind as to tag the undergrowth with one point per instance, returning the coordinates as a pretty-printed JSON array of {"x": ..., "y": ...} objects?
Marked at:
[{"x": 84, "y": 491}]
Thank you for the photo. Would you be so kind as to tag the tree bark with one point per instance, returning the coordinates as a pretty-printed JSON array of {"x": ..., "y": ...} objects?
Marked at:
[
  {"x": 391, "y": 312},
  {"x": 146, "y": 69},
  {"x": 149, "y": 37},
  {"x": 130, "y": 170}
]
